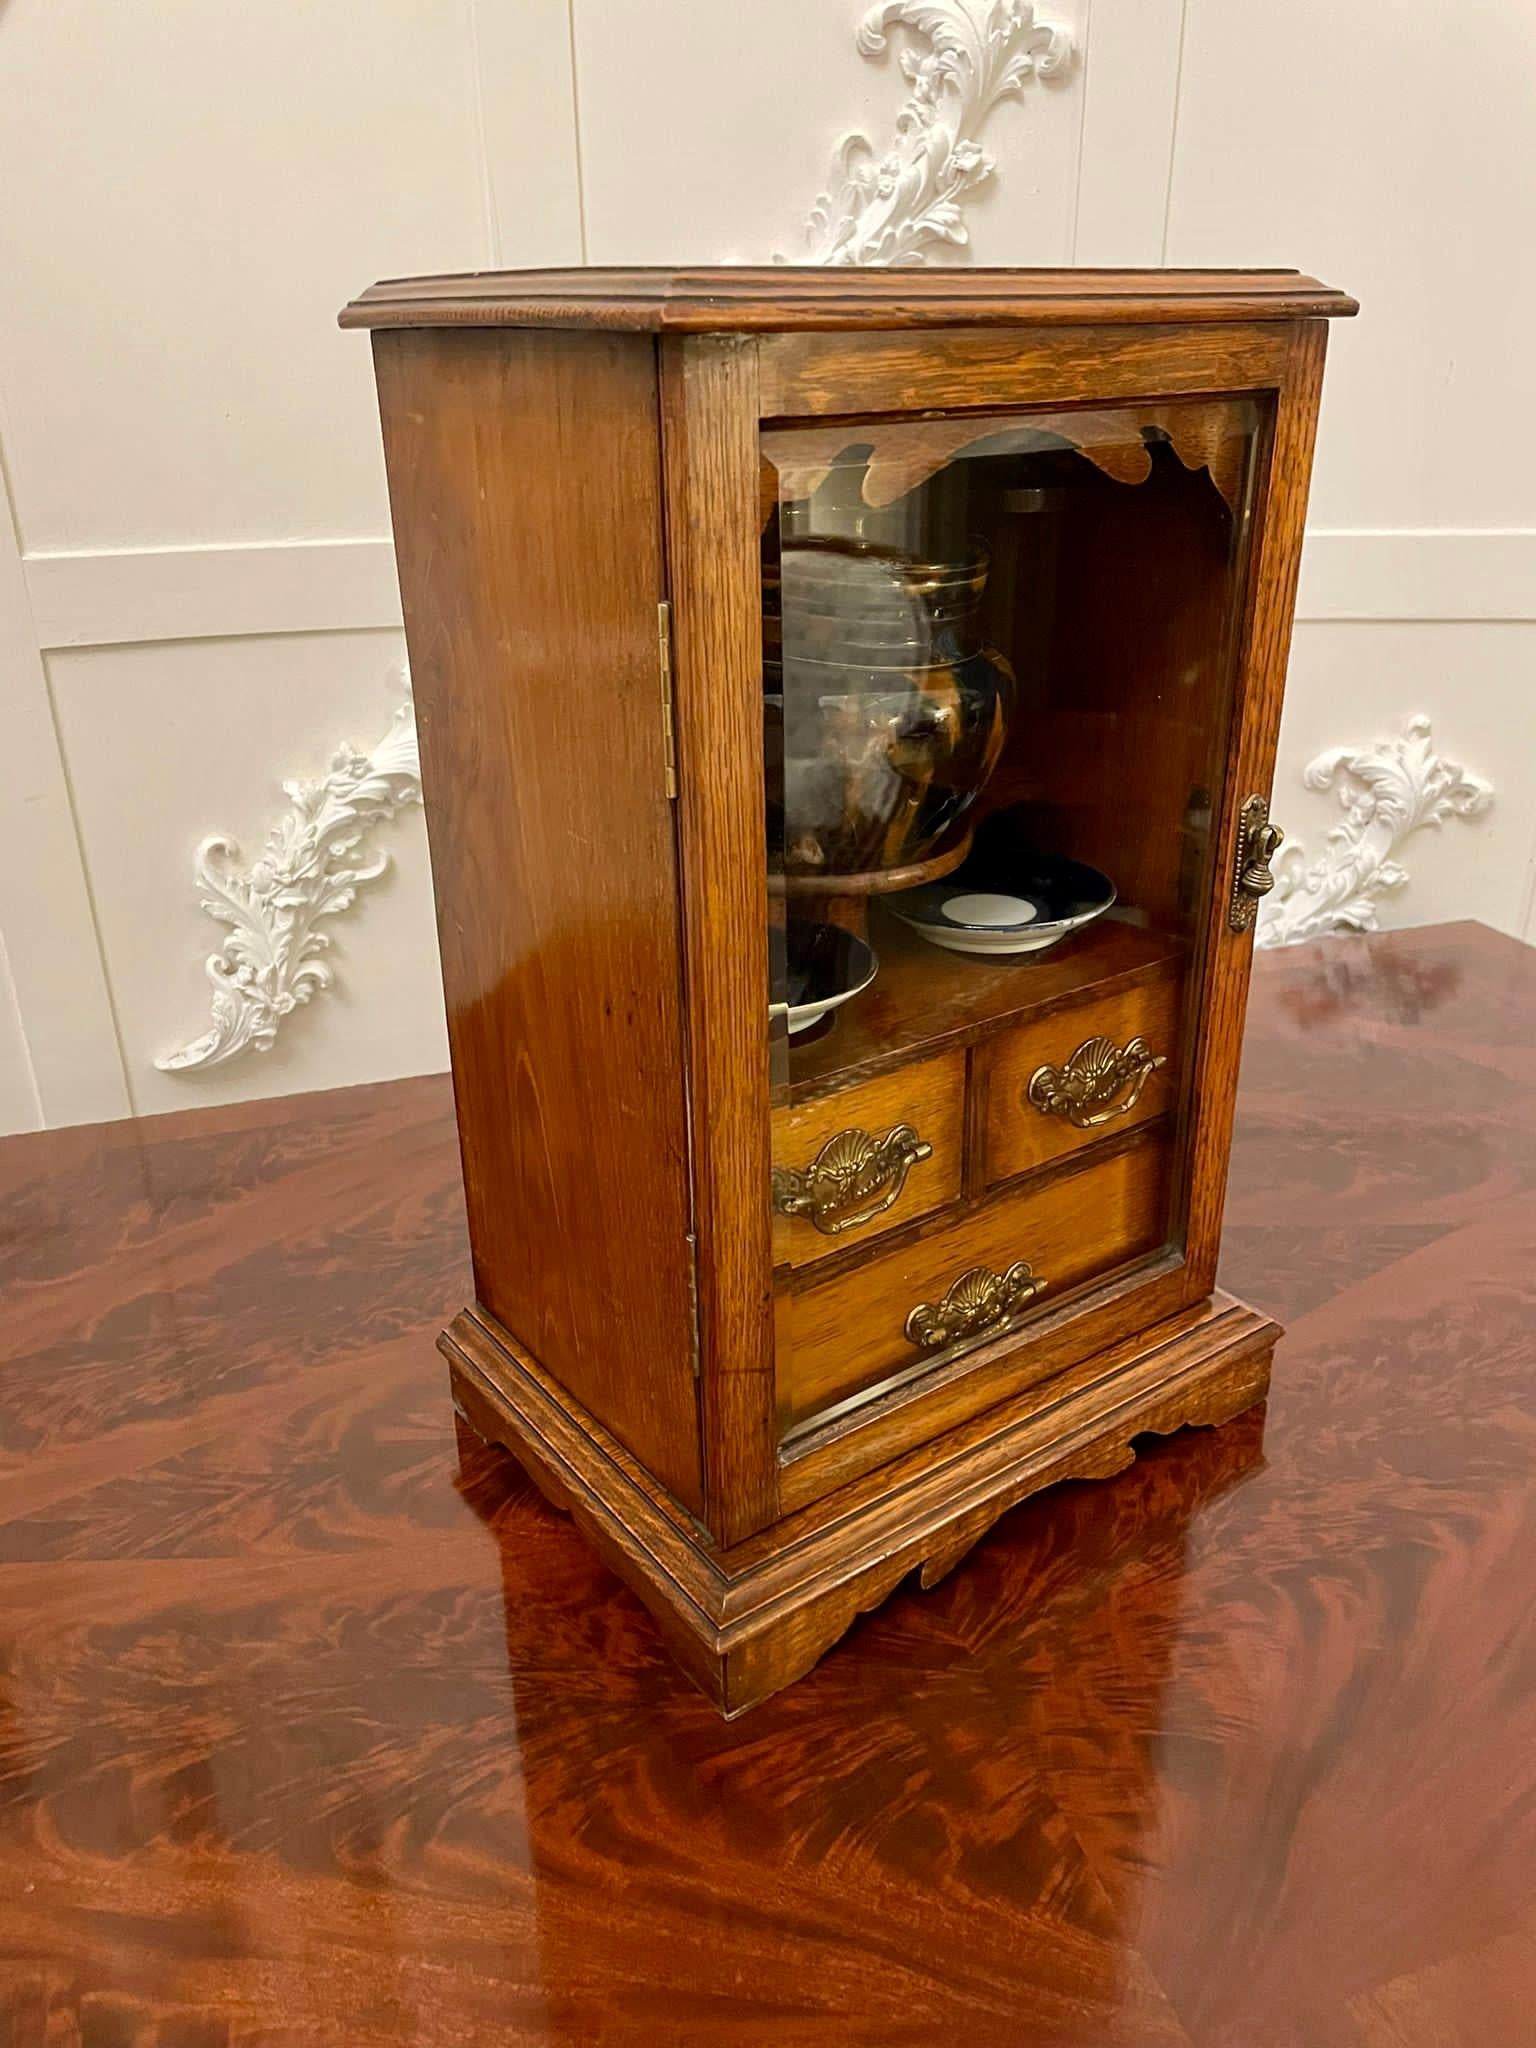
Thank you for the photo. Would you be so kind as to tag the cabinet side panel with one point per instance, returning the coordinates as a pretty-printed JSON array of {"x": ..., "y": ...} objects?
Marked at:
[{"x": 524, "y": 480}]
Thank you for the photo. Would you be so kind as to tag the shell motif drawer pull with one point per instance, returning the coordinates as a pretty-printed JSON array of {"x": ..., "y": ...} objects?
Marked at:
[
  {"x": 979, "y": 1302},
  {"x": 853, "y": 1178},
  {"x": 1097, "y": 1083}
]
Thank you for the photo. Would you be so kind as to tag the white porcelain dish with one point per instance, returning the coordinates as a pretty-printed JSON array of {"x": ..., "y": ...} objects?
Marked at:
[{"x": 1046, "y": 899}]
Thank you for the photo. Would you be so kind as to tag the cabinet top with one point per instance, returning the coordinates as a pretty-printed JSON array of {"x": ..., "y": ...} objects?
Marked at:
[{"x": 736, "y": 298}]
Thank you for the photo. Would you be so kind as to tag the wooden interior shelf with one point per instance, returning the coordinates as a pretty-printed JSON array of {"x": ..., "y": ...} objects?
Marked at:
[{"x": 925, "y": 1000}]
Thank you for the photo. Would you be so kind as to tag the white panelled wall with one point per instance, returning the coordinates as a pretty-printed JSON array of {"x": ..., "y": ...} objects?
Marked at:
[{"x": 196, "y": 592}]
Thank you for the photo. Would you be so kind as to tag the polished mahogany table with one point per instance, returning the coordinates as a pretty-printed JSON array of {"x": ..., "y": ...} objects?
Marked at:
[{"x": 308, "y": 1735}]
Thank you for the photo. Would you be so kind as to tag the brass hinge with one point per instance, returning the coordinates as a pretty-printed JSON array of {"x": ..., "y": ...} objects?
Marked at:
[{"x": 668, "y": 728}]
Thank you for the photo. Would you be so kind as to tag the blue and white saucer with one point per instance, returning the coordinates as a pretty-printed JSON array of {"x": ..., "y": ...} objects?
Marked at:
[{"x": 1035, "y": 901}]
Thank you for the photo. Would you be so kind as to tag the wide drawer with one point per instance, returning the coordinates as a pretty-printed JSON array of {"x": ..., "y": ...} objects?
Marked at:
[
  {"x": 865, "y": 1160},
  {"x": 896, "y": 1310},
  {"x": 1081, "y": 1074}
]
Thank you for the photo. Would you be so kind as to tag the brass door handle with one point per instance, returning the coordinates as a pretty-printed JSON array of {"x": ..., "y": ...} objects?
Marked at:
[
  {"x": 1252, "y": 878},
  {"x": 1095, "y": 1084},
  {"x": 853, "y": 1178},
  {"x": 979, "y": 1302}
]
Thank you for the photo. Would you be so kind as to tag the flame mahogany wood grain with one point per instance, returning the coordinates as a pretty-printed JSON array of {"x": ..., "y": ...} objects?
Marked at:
[
  {"x": 316, "y": 1727},
  {"x": 745, "y": 1630},
  {"x": 538, "y": 700}
]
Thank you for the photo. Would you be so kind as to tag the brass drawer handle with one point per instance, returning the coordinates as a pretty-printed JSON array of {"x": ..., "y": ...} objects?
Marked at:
[
  {"x": 1097, "y": 1083},
  {"x": 852, "y": 1179},
  {"x": 978, "y": 1302},
  {"x": 1257, "y": 841}
]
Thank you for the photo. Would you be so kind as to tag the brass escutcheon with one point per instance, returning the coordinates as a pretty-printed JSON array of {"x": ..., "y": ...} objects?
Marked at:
[
  {"x": 852, "y": 1179},
  {"x": 1095, "y": 1084},
  {"x": 979, "y": 1302}
]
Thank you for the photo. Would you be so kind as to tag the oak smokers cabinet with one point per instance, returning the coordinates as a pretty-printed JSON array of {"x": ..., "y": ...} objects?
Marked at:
[{"x": 793, "y": 650}]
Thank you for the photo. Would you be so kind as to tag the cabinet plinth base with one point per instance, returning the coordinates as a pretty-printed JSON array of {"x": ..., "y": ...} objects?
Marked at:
[{"x": 747, "y": 1621}]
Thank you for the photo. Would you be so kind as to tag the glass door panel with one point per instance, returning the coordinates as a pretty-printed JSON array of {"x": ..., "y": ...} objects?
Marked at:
[{"x": 998, "y": 659}]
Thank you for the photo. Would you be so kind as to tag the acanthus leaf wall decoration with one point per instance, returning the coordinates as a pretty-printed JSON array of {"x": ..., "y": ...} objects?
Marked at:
[
  {"x": 1388, "y": 791},
  {"x": 311, "y": 867},
  {"x": 893, "y": 209}
]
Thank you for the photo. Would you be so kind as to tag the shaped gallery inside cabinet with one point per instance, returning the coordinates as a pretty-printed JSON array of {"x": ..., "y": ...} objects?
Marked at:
[{"x": 848, "y": 704}]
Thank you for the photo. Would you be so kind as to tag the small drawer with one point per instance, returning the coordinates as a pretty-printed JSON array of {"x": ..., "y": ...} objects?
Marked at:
[
  {"x": 1088, "y": 1072},
  {"x": 961, "y": 1284},
  {"x": 867, "y": 1159}
]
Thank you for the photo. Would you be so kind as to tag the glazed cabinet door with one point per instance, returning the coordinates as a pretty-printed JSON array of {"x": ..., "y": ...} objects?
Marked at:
[{"x": 999, "y": 687}]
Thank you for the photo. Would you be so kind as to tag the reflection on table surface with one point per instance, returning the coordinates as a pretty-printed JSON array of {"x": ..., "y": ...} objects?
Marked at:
[{"x": 310, "y": 1731}]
